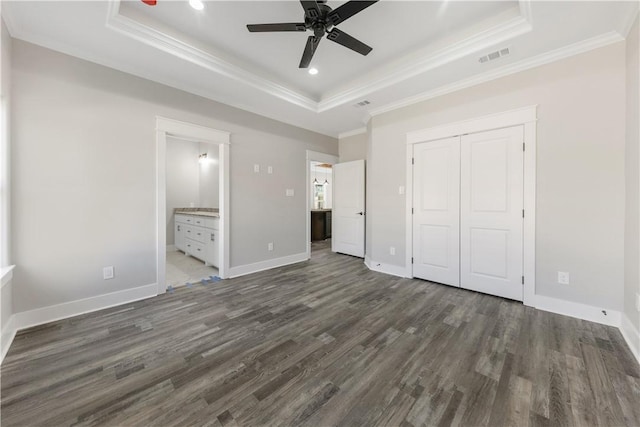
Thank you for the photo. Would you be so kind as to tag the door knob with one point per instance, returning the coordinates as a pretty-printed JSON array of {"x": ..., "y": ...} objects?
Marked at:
[{"x": 360, "y": 213}]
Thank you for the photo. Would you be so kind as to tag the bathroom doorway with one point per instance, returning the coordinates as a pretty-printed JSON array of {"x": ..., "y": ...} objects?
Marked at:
[{"x": 193, "y": 204}]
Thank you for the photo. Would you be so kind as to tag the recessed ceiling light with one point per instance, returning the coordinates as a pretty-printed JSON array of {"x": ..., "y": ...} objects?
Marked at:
[
  {"x": 313, "y": 71},
  {"x": 196, "y": 4}
]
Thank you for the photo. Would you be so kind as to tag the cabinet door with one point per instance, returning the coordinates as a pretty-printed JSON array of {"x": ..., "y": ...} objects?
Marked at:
[
  {"x": 212, "y": 246},
  {"x": 179, "y": 236}
]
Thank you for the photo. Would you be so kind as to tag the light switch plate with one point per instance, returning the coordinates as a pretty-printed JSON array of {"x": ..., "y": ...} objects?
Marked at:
[
  {"x": 401, "y": 190},
  {"x": 269, "y": 169},
  {"x": 107, "y": 273},
  {"x": 563, "y": 277},
  {"x": 289, "y": 192},
  {"x": 270, "y": 246},
  {"x": 392, "y": 250},
  {"x": 256, "y": 168}
]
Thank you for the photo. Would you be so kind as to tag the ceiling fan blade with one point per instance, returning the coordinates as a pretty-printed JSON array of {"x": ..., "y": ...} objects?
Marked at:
[
  {"x": 346, "y": 40},
  {"x": 347, "y": 10},
  {"x": 311, "y": 9},
  {"x": 309, "y": 50},
  {"x": 265, "y": 28}
]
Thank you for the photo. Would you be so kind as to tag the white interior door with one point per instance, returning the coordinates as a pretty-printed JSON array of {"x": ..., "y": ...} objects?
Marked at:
[
  {"x": 347, "y": 226},
  {"x": 491, "y": 212},
  {"x": 436, "y": 212}
]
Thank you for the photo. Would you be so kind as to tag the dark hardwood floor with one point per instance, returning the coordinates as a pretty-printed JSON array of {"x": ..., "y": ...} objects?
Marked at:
[{"x": 321, "y": 343}]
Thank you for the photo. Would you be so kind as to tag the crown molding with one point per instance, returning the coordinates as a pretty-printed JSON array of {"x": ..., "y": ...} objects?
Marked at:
[
  {"x": 542, "y": 59},
  {"x": 630, "y": 19},
  {"x": 162, "y": 41},
  {"x": 159, "y": 40},
  {"x": 353, "y": 132},
  {"x": 498, "y": 34}
]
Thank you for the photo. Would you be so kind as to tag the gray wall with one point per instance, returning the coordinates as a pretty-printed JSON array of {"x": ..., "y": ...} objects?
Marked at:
[
  {"x": 6, "y": 293},
  {"x": 5, "y": 135},
  {"x": 353, "y": 148},
  {"x": 209, "y": 177},
  {"x": 84, "y": 177},
  {"x": 580, "y": 169},
  {"x": 183, "y": 179},
  {"x": 632, "y": 181}
]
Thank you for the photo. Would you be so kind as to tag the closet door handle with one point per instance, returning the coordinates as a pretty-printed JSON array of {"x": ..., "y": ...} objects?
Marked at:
[{"x": 360, "y": 213}]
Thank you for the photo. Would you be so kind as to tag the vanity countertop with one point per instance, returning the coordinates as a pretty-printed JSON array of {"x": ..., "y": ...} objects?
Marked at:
[{"x": 193, "y": 211}]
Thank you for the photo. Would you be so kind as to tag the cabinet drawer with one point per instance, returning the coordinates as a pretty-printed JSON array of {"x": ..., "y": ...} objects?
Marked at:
[
  {"x": 182, "y": 219},
  {"x": 199, "y": 221},
  {"x": 213, "y": 223},
  {"x": 198, "y": 234},
  {"x": 194, "y": 248},
  {"x": 195, "y": 233}
]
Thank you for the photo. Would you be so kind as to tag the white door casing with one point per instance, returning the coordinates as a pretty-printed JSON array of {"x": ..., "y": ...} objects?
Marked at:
[
  {"x": 524, "y": 116},
  {"x": 491, "y": 212},
  {"x": 347, "y": 227},
  {"x": 436, "y": 215}
]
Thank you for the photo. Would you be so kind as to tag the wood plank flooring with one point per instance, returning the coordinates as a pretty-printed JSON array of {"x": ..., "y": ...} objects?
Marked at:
[{"x": 322, "y": 343}]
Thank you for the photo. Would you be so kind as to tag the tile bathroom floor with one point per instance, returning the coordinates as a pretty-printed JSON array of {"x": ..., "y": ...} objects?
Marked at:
[{"x": 182, "y": 268}]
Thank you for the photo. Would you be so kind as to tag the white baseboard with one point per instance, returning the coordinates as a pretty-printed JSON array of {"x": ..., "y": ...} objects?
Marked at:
[
  {"x": 171, "y": 248},
  {"x": 8, "y": 334},
  {"x": 394, "y": 270},
  {"x": 42, "y": 315},
  {"x": 631, "y": 335},
  {"x": 242, "y": 270},
  {"x": 577, "y": 310}
]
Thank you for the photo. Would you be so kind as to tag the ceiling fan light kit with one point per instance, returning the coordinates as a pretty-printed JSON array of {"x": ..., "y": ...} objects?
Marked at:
[{"x": 321, "y": 19}]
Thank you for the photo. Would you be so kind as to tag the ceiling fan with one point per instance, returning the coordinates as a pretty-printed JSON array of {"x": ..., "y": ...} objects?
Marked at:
[{"x": 321, "y": 19}]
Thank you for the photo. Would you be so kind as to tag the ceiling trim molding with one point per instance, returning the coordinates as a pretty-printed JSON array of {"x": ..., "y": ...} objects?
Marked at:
[
  {"x": 353, "y": 132},
  {"x": 498, "y": 34},
  {"x": 630, "y": 19},
  {"x": 161, "y": 41},
  {"x": 542, "y": 59}
]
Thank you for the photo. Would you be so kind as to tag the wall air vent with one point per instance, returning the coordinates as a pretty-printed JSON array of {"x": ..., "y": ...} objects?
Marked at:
[
  {"x": 361, "y": 104},
  {"x": 492, "y": 56}
]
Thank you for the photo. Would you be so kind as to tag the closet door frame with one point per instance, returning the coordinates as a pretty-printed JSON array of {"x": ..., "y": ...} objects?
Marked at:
[{"x": 526, "y": 117}]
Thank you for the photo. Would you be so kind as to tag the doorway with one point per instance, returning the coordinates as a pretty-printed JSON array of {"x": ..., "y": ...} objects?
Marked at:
[
  {"x": 192, "y": 203},
  {"x": 477, "y": 252},
  {"x": 192, "y": 211},
  {"x": 468, "y": 205},
  {"x": 319, "y": 199}
]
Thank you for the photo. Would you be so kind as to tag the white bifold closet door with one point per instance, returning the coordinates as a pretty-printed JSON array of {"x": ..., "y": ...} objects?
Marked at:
[
  {"x": 436, "y": 211},
  {"x": 491, "y": 212},
  {"x": 468, "y": 217}
]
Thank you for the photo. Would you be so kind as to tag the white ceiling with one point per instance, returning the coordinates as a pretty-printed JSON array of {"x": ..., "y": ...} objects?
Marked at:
[{"x": 420, "y": 48}]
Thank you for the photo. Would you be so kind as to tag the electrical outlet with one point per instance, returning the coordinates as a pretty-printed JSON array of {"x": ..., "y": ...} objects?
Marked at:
[
  {"x": 256, "y": 168},
  {"x": 563, "y": 277},
  {"x": 270, "y": 246},
  {"x": 107, "y": 273},
  {"x": 392, "y": 250},
  {"x": 269, "y": 170}
]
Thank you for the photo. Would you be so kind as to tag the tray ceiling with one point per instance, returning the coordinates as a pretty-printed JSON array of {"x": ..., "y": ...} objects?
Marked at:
[{"x": 420, "y": 48}]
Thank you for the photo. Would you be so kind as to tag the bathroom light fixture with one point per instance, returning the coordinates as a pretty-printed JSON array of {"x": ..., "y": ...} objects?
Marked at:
[
  {"x": 313, "y": 71},
  {"x": 196, "y": 4}
]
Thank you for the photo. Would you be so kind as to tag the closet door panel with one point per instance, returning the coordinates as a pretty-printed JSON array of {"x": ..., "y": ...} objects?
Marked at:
[
  {"x": 491, "y": 203},
  {"x": 436, "y": 215}
]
